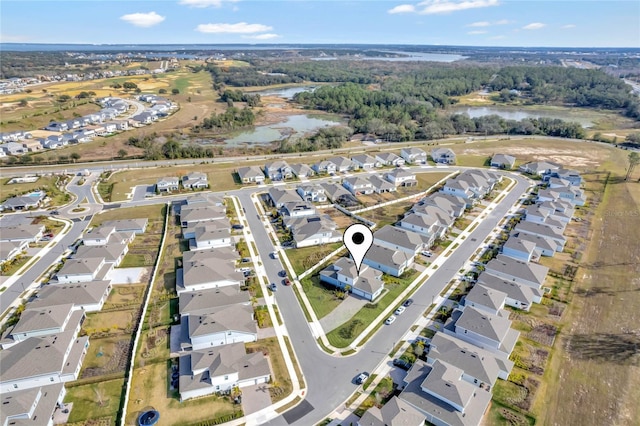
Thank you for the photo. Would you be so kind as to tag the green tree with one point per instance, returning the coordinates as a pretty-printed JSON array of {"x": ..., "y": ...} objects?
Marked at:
[
  {"x": 162, "y": 91},
  {"x": 23, "y": 103},
  {"x": 74, "y": 156},
  {"x": 634, "y": 159},
  {"x": 122, "y": 153},
  {"x": 175, "y": 91}
]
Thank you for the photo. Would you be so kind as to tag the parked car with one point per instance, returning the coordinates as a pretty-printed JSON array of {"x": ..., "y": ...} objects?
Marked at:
[
  {"x": 390, "y": 320},
  {"x": 286, "y": 281},
  {"x": 273, "y": 287},
  {"x": 282, "y": 273},
  {"x": 400, "y": 310},
  {"x": 237, "y": 226},
  {"x": 361, "y": 378},
  {"x": 274, "y": 255},
  {"x": 427, "y": 253},
  {"x": 401, "y": 363},
  {"x": 407, "y": 303},
  {"x": 55, "y": 212}
]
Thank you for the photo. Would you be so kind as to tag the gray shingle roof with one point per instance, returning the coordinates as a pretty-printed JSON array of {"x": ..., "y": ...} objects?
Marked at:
[
  {"x": 527, "y": 271},
  {"x": 445, "y": 380},
  {"x": 43, "y": 318},
  {"x": 519, "y": 292},
  {"x": 493, "y": 327},
  {"x": 483, "y": 296},
  {"x": 400, "y": 237},
  {"x": 82, "y": 266},
  {"x": 80, "y": 294},
  {"x": 395, "y": 412},
  {"x": 231, "y": 317},
  {"x": 203, "y": 301}
]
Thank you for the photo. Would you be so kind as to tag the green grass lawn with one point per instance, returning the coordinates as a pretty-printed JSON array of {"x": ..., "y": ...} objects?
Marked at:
[
  {"x": 152, "y": 212},
  {"x": 344, "y": 335},
  {"x": 48, "y": 184},
  {"x": 95, "y": 400},
  {"x": 321, "y": 298},
  {"x": 304, "y": 258},
  {"x": 12, "y": 267}
]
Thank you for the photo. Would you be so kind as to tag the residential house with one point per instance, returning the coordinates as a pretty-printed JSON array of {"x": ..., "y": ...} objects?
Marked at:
[
  {"x": 555, "y": 182},
  {"x": 88, "y": 297},
  {"x": 219, "y": 326},
  {"x": 397, "y": 238},
  {"x": 365, "y": 161},
  {"x": 385, "y": 260},
  {"x": 572, "y": 194},
  {"x": 9, "y": 250},
  {"x": 519, "y": 249},
  {"x": 32, "y": 146},
  {"x": 358, "y": 185},
  {"x": 144, "y": 118},
  {"x": 112, "y": 253},
  {"x": 342, "y": 164},
  {"x": 279, "y": 197},
  {"x": 22, "y": 234},
  {"x": 80, "y": 270},
  {"x": 324, "y": 167},
  {"x": 518, "y": 296},
  {"x": 414, "y": 155},
  {"x": 572, "y": 176},
  {"x": 26, "y": 406},
  {"x": 389, "y": 159},
  {"x": 313, "y": 230},
  {"x": 209, "y": 235},
  {"x": 13, "y": 148},
  {"x": 544, "y": 246},
  {"x": 98, "y": 236},
  {"x": 41, "y": 361},
  {"x": 485, "y": 330},
  {"x": 539, "y": 168},
  {"x": 196, "y": 275},
  {"x": 221, "y": 254},
  {"x": 344, "y": 275},
  {"x": 526, "y": 273},
  {"x": 542, "y": 230},
  {"x": 204, "y": 301},
  {"x": 312, "y": 193},
  {"x": 338, "y": 194},
  {"x": 24, "y": 202},
  {"x": 485, "y": 299},
  {"x": 194, "y": 214},
  {"x": 430, "y": 227},
  {"x": 381, "y": 185},
  {"x": 137, "y": 226},
  {"x": 394, "y": 412},
  {"x": 220, "y": 369},
  {"x": 450, "y": 203},
  {"x": 278, "y": 170},
  {"x": 440, "y": 392},
  {"x": 401, "y": 177},
  {"x": 251, "y": 174},
  {"x": 503, "y": 161},
  {"x": 36, "y": 322},
  {"x": 443, "y": 156},
  {"x": 55, "y": 126},
  {"x": 298, "y": 209},
  {"x": 168, "y": 184},
  {"x": 195, "y": 180},
  {"x": 302, "y": 171}
]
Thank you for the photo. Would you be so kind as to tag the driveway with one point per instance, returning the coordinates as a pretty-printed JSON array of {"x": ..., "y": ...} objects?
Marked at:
[
  {"x": 127, "y": 275},
  {"x": 255, "y": 398}
]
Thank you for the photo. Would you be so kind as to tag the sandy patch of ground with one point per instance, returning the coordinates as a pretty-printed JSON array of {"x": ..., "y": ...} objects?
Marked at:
[{"x": 567, "y": 157}]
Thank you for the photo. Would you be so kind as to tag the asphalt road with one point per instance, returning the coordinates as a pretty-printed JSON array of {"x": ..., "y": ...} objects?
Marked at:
[{"x": 329, "y": 379}]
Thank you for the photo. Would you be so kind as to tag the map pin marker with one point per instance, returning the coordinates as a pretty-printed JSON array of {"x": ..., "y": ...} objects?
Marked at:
[{"x": 358, "y": 239}]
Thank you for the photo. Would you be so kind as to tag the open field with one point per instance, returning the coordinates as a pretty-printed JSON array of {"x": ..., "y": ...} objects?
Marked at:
[
  {"x": 153, "y": 213},
  {"x": 304, "y": 258},
  {"x": 95, "y": 401},
  {"x": 48, "y": 183}
]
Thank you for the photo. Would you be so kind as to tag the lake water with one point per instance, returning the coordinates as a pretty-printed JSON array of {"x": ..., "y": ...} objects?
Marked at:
[
  {"x": 294, "y": 124},
  {"x": 286, "y": 92},
  {"x": 519, "y": 114},
  {"x": 411, "y": 57}
]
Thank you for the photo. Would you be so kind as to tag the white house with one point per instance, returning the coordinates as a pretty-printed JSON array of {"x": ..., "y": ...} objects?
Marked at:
[
  {"x": 414, "y": 155},
  {"x": 365, "y": 161},
  {"x": 389, "y": 159},
  {"x": 343, "y": 275},
  {"x": 358, "y": 185},
  {"x": 443, "y": 156},
  {"x": 168, "y": 184},
  {"x": 80, "y": 270},
  {"x": 312, "y": 193},
  {"x": 221, "y": 326}
]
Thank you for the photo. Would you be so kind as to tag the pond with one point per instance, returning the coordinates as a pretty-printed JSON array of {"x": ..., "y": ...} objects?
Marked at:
[
  {"x": 410, "y": 57},
  {"x": 518, "y": 114},
  {"x": 285, "y": 92},
  {"x": 294, "y": 124}
]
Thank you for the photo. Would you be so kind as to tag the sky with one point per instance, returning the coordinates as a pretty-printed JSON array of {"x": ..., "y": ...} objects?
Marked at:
[{"x": 560, "y": 23}]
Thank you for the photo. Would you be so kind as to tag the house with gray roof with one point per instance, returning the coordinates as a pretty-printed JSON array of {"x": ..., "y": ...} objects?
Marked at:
[
  {"x": 559, "y": 210},
  {"x": 544, "y": 246},
  {"x": 9, "y": 250},
  {"x": 195, "y": 180},
  {"x": 358, "y": 185},
  {"x": 302, "y": 171},
  {"x": 414, "y": 155},
  {"x": 89, "y": 297},
  {"x": 397, "y": 238},
  {"x": 450, "y": 203},
  {"x": 443, "y": 156},
  {"x": 22, "y": 233},
  {"x": 539, "y": 168},
  {"x": 391, "y": 262},
  {"x": 572, "y": 176},
  {"x": 344, "y": 275},
  {"x": 227, "y": 254},
  {"x": 194, "y": 214},
  {"x": 324, "y": 167},
  {"x": 313, "y": 193},
  {"x": 342, "y": 164},
  {"x": 434, "y": 214},
  {"x": 485, "y": 299},
  {"x": 112, "y": 253},
  {"x": 209, "y": 235},
  {"x": 168, "y": 184},
  {"x": 526, "y": 273},
  {"x": 42, "y": 321},
  {"x": 429, "y": 227},
  {"x": 440, "y": 393},
  {"x": 98, "y": 236},
  {"x": 278, "y": 170},
  {"x": 204, "y": 301},
  {"x": 199, "y": 275},
  {"x": 298, "y": 209},
  {"x": 137, "y": 226},
  {"x": 80, "y": 270},
  {"x": 250, "y": 174},
  {"x": 572, "y": 194},
  {"x": 485, "y": 330},
  {"x": 518, "y": 296},
  {"x": 401, "y": 177},
  {"x": 339, "y": 195},
  {"x": 34, "y": 406},
  {"x": 503, "y": 161},
  {"x": 23, "y": 202},
  {"x": 278, "y": 196},
  {"x": 312, "y": 230},
  {"x": 542, "y": 230},
  {"x": 365, "y": 161},
  {"x": 54, "y": 358},
  {"x": 381, "y": 185},
  {"x": 219, "y": 326},
  {"x": 519, "y": 249},
  {"x": 394, "y": 412},
  {"x": 389, "y": 159},
  {"x": 216, "y": 370}
]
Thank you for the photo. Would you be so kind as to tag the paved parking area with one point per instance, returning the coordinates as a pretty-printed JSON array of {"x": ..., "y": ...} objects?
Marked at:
[
  {"x": 255, "y": 398},
  {"x": 127, "y": 275},
  {"x": 140, "y": 192}
]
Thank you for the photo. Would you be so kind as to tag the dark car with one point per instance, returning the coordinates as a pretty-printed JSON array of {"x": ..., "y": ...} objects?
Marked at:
[
  {"x": 282, "y": 273},
  {"x": 407, "y": 303},
  {"x": 237, "y": 226},
  {"x": 273, "y": 287},
  {"x": 55, "y": 212},
  {"x": 401, "y": 363}
]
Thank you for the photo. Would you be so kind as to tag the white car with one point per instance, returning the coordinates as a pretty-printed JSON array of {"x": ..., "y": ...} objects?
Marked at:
[
  {"x": 400, "y": 310},
  {"x": 390, "y": 320},
  {"x": 427, "y": 253}
]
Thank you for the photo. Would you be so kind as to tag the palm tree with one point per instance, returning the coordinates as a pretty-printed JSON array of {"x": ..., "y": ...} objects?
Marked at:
[{"x": 634, "y": 160}]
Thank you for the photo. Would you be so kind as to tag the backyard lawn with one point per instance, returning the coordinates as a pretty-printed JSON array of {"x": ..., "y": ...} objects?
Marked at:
[
  {"x": 95, "y": 401},
  {"x": 304, "y": 258},
  {"x": 322, "y": 298}
]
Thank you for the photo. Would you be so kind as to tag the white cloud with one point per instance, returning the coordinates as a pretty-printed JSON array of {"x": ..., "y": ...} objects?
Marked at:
[
  {"x": 266, "y": 36},
  {"x": 568, "y": 26},
  {"x": 534, "y": 26},
  {"x": 143, "y": 20},
  {"x": 477, "y": 32},
  {"x": 205, "y": 3},
  {"x": 239, "y": 28},
  {"x": 480, "y": 24},
  {"x": 403, "y": 8},
  {"x": 502, "y": 22},
  {"x": 432, "y": 7}
]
